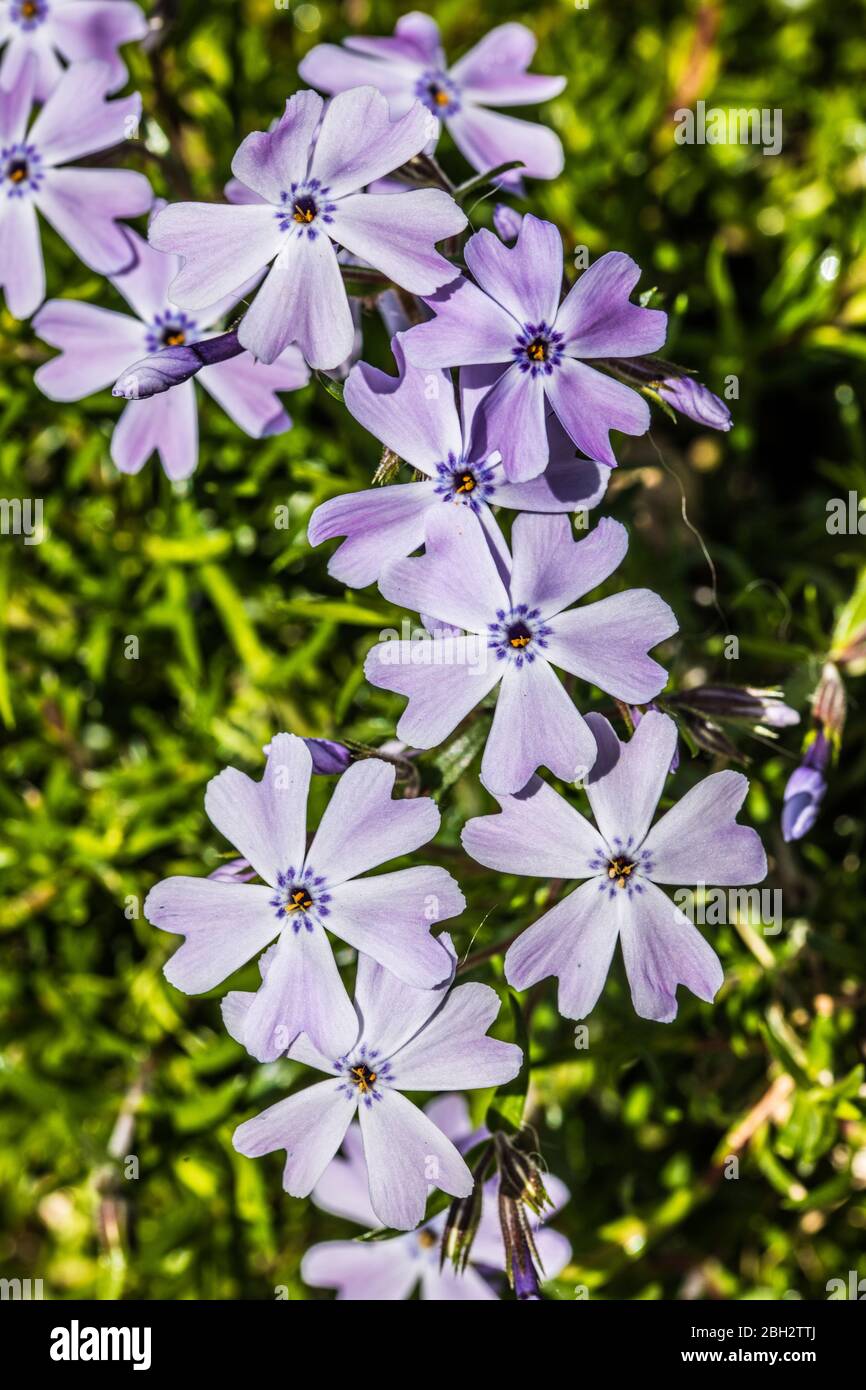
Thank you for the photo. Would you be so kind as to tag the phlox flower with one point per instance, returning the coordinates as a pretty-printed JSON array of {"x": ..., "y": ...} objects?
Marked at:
[
  {"x": 510, "y": 316},
  {"x": 96, "y": 343},
  {"x": 404, "y": 1039},
  {"x": 48, "y": 30},
  {"x": 306, "y": 894},
  {"x": 82, "y": 205},
  {"x": 391, "y": 1270},
  {"x": 510, "y": 629},
  {"x": 412, "y": 66},
  {"x": 622, "y": 858},
  {"x": 308, "y": 172},
  {"x": 417, "y": 416}
]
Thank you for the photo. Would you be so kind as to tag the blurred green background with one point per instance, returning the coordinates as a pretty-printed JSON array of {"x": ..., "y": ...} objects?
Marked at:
[{"x": 761, "y": 263}]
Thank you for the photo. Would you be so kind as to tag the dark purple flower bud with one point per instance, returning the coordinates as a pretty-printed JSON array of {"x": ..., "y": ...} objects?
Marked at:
[
  {"x": 173, "y": 365},
  {"x": 691, "y": 398},
  {"x": 234, "y": 871},
  {"x": 745, "y": 703},
  {"x": 805, "y": 790},
  {"x": 328, "y": 757},
  {"x": 507, "y": 222}
]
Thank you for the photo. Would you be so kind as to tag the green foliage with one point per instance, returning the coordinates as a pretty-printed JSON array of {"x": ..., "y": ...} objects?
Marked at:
[{"x": 761, "y": 263}]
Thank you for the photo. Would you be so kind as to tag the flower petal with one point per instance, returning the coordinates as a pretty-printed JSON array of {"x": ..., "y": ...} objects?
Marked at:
[
  {"x": 16, "y": 98},
  {"x": 270, "y": 161},
  {"x": 363, "y": 826},
  {"x": 266, "y": 821},
  {"x": 76, "y": 119},
  {"x": 628, "y": 778},
  {"x": 398, "y": 234},
  {"x": 525, "y": 279},
  {"x": 405, "y": 1151},
  {"x": 552, "y": 569},
  {"x": 494, "y": 69},
  {"x": 414, "y": 414},
  {"x": 374, "y": 1272},
  {"x": 84, "y": 205},
  {"x": 381, "y": 525},
  {"x": 302, "y": 299},
  {"x": 393, "y": 1012},
  {"x": 662, "y": 949},
  {"x": 247, "y": 390},
  {"x": 606, "y": 643},
  {"x": 535, "y": 724},
  {"x": 389, "y": 918},
  {"x": 443, "y": 678},
  {"x": 469, "y": 329},
  {"x": 452, "y": 1050},
  {"x": 574, "y": 942},
  {"x": 22, "y": 270},
  {"x": 144, "y": 283},
  {"x": 699, "y": 841},
  {"x": 167, "y": 423},
  {"x": 92, "y": 341},
  {"x": 309, "y": 1125},
  {"x": 446, "y": 1285},
  {"x": 598, "y": 319},
  {"x": 302, "y": 992},
  {"x": 96, "y": 29},
  {"x": 537, "y": 832},
  {"x": 488, "y": 139},
  {"x": 589, "y": 405},
  {"x": 359, "y": 143},
  {"x": 225, "y": 925},
  {"x": 511, "y": 420},
  {"x": 222, "y": 247},
  {"x": 343, "y": 1189},
  {"x": 455, "y": 580},
  {"x": 334, "y": 69}
]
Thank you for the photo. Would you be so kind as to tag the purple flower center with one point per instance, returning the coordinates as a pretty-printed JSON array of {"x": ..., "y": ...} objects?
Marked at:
[
  {"x": 304, "y": 208},
  {"x": 363, "y": 1075},
  {"x": 457, "y": 480},
  {"x": 300, "y": 898},
  {"x": 620, "y": 867},
  {"x": 171, "y": 328},
  {"x": 518, "y": 635},
  {"x": 538, "y": 348},
  {"x": 28, "y": 14},
  {"x": 435, "y": 90},
  {"x": 20, "y": 170}
]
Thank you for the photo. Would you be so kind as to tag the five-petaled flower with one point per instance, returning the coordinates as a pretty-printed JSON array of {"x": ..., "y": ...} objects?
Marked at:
[
  {"x": 412, "y": 66},
  {"x": 511, "y": 317},
  {"x": 623, "y": 859},
  {"x": 309, "y": 893},
  {"x": 82, "y": 205},
  {"x": 514, "y": 631},
  {"x": 48, "y": 30},
  {"x": 95, "y": 343},
  {"x": 392, "y": 1270},
  {"x": 404, "y": 1039},
  {"x": 416, "y": 416},
  {"x": 309, "y": 172}
]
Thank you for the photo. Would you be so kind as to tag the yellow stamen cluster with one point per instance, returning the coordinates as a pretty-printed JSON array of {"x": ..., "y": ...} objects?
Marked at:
[
  {"x": 467, "y": 483},
  {"x": 300, "y": 899},
  {"x": 620, "y": 869},
  {"x": 363, "y": 1078},
  {"x": 303, "y": 214}
]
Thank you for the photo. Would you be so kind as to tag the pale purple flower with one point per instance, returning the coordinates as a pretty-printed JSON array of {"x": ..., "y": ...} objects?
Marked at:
[
  {"x": 412, "y": 66},
  {"x": 416, "y": 415},
  {"x": 309, "y": 171},
  {"x": 515, "y": 630},
  {"x": 95, "y": 343},
  {"x": 72, "y": 30},
  {"x": 511, "y": 316},
  {"x": 404, "y": 1039},
  {"x": 391, "y": 1270},
  {"x": 82, "y": 205},
  {"x": 806, "y": 789},
  {"x": 309, "y": 893},
  {"x": 622, "y": 860}
]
